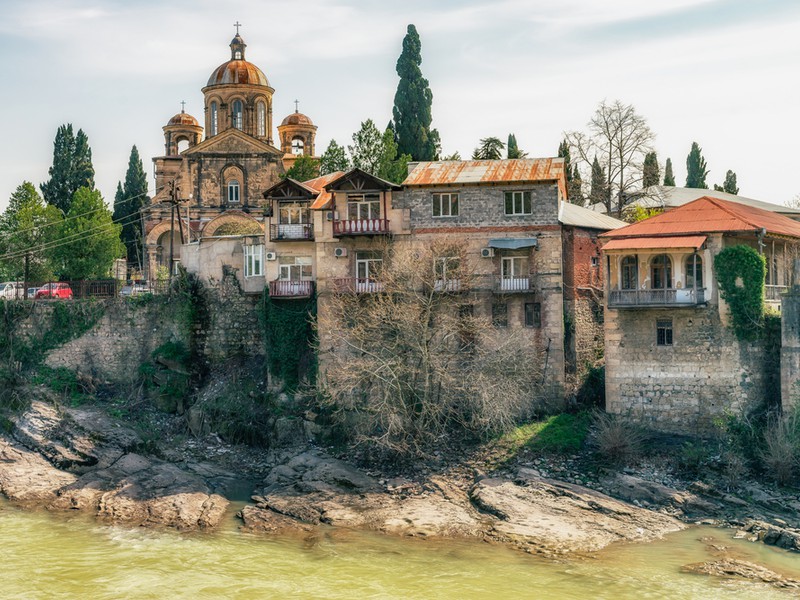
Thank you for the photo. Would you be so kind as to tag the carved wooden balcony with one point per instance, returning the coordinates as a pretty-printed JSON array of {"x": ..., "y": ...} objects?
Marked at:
[{"x": 361, "y": 227}]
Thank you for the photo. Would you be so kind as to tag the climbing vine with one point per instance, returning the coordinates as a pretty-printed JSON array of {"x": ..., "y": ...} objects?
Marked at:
[
  {"x": 740, "y": 274},
  {"x": 289, "y": 333}
]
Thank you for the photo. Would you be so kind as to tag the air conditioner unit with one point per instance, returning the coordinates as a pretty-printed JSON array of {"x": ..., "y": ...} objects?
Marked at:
[
  {"x": 487, "y": 252},
  {"x": 271, "y": 255},
  {"x": 329, "y": 215},
  {"x": 340, "y": 252}
]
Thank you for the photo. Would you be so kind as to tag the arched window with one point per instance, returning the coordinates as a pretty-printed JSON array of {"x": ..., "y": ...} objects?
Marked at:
[
  {"x": 183, "y": 144},
  {"x": 233, "y": 191},
  {"x": 214, "y": 118},
  {"x": 661, "y": 272},
  {"x": 237, "y": 55},
  {"x": 694, "y": 271},
  {"x": 629, "y": 273},
  {"x": 261, "y": 115},
  {"x": 298, "y": 146},
  {"x": 236, "y": 115}
]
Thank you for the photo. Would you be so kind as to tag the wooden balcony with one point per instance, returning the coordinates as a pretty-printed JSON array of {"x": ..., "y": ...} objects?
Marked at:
[
  {"x": 286, "y": 232},
  {"x": 655, "y": 298},
  {"x": 361, "y": 227},
  {"x": 514, "y": 285},
  {"x": 773, "y": 293},
  {"x": 355, "y": 285},
  {"x": 287, "y": 288}
]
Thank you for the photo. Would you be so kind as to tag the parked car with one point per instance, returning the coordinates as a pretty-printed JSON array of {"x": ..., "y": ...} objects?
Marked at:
[
  {"x": 12, "y": 289},
  {"x": 54, "y": 290},
  {"x": 32, "y": 292},
  {"x": 133, "y": 289}
]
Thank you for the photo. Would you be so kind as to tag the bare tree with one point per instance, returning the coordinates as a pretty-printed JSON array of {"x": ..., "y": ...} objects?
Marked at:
[
  {"x": 411, "y": 360},
  {"x": 620, "y": 138}
]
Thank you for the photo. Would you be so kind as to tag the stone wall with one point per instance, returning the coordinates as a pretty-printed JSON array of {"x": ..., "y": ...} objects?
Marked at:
[
  {"x": 705, "y": 374},
  {"x": 790, "y": 348}
]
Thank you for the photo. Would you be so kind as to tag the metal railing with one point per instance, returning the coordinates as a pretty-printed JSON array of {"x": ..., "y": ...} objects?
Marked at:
[
  {"x": 291, "y": 231},
  {"x": 361, "y": 227},
  {"x": 78, "y": 289},
  {"x": 514, "y": 285},
  {"x": 772, "y": 293},
  {"x": 665, "y": 297},
  {"x": 447, "y": 285},
  {"x": 287, "y": 288},
  {"x": 355, "y": 285}
]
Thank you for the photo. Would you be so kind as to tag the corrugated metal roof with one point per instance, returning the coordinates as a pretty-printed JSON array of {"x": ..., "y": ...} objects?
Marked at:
[
  {"x": 651, "y": 243},
  {"x": 318, "y": 184},
  {"x": 578, "y": 216},
  {"x": 709, "y": 215},
  {"x": 455, "y": 172},
  {"x": 664, "y": 196}
]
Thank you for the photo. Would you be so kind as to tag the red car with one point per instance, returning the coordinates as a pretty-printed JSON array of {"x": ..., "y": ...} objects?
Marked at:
[{"x": 54, "y": 290}]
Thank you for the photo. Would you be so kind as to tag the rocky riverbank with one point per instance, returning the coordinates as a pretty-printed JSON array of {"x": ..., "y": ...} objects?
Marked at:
[{"x": 80, "y": 459}]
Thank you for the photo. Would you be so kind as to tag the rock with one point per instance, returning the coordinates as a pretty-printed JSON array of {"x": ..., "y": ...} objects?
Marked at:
[
  {"x": 773, "y": 535},
  {"x": 288, "y": 432},
  {"x": 739, "y": 569},
  {"x": 28, "y": 479},
  {"x": 638, "y": 490}
]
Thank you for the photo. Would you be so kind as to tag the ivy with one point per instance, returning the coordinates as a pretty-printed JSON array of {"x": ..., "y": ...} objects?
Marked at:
[
  {"x": 289, "y": 333},
  {"x": 740, "y": 274}
]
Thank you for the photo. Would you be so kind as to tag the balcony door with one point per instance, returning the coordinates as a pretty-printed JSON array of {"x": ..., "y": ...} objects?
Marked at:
[
  {"x": 514, "y": 273},
  {"x": 362, "y": 207},
  {"x": 661, "y": 272}
]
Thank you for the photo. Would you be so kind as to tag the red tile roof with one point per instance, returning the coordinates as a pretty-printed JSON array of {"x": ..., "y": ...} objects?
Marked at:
[
  {"x": 677, "y": 241},
  {"x": 709, "y": 215}
]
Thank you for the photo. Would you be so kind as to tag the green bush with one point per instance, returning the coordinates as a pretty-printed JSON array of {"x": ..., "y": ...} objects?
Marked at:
[{"x": 740, "y": 272}]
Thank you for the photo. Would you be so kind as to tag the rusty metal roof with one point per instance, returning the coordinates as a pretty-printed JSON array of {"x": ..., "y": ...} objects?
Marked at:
[
  {"x": 710, "y": 215},
  {"x": 296, "y": 118},
  {"x": 318, "y": 184},
  {"x": 460, "y": 172},
  {"x": 183, "y": 118},
  {"x": 237, "y": 72},
  {"x": 652, "y": 243}
]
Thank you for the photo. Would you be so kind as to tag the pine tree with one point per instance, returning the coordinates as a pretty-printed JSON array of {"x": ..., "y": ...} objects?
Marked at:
[
  {"x": 333, "y": 159},
  {"x": 303, "y": 169},
  {"x": 489, "y": 148},
  {"x": 412, "y": 103},
  {"x": 575, "y": 188},
  {"x": 72, "y": 167},
  {"x": 128, "y": 203},
  {"x": 599, "y": 192},
  {"x": 650, "y": 174},
  {"x": 669, "y": 178},
  {"x": 696, "y": 170},
  {"x": 512, "y": 150},
  {"x": 366, "y": 152}
]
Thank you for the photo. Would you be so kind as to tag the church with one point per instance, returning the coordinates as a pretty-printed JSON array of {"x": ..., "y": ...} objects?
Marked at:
[{"x": 210, "y": 188}]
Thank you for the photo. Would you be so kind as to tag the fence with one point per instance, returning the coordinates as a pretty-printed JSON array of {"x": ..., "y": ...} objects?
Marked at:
[{"x": 68, "y": 290}]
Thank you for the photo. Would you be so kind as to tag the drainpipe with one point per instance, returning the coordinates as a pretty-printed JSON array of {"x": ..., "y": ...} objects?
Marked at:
[{"x": 761, "y": 235}]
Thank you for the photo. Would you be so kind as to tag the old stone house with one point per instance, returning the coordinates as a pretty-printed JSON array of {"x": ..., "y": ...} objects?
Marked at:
[{"x": 672, "y": 361}]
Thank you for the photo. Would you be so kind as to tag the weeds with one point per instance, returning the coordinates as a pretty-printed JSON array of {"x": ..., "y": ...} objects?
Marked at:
[{"x": 615, "y": 439}]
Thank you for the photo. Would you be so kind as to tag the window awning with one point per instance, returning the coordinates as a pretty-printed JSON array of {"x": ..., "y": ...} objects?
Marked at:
[
  {"x": 513, "y": 243},
  {"x": 654, "y": 243}
]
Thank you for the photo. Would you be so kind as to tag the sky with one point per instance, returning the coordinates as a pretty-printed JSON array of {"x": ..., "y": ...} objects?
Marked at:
[{"x": 723, "y": 73}]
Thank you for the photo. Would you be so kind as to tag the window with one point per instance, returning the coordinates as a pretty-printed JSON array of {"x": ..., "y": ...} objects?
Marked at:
[
  {"x": 533, "y": 314},
  {"x": 661, "y": 272},
  {"x": 233, "y": 191},
  {"x": 298, "y": 146},
  {"x": 446, "y": 267},
  {"x": 236, "y": 114},
  {"x": 595, "y": 261},
  {"x": 518, "y": 203},
  {"x": 261, "y": 118},
  {"x": 500, "y": 314},
  {"x": 514, "y": 273},
  {"x": 694, "y": 271},
  {"x": 629, "y": 273},
  {"x": 295, "y": 213},
  {"x": 363, "y": 206},
  {"x": 368, "y": 264},
  {"x": 295, "y": 268},
  {"x": 664, "y": 332},
  {"x": 214, "y": 118},
  {"x": 445, "y": 205},
  {"x": 237, "y": 55},
  {"x": 253, "y": 260}
]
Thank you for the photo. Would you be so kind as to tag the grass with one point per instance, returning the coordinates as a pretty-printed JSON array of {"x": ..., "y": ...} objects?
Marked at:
[{"x": 559, "y": 434}]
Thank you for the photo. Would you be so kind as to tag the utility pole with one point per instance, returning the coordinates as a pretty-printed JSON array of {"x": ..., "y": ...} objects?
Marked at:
[{"x": 174, "y": 201}]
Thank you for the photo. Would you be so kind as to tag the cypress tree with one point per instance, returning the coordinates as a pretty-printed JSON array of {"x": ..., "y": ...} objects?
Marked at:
[
  {"x": 412, "y": 103},
  {"x": 730, "y": 183},
  {"x": 333, "y": 159},
  {"x": 563, "y": 152},
  {"x": 575, "y": 188},
  {"x": 82, "y": 168},
  {"x": 650, "y": 170},
  {"x": 72, "y": 168},
  {"x": 696, "y": 170},
  {"x": 128, "y": 202},
  {"x": 512, "y": 149},
  {"x": 669, "y": 178},
  {"x": 599, "y": 192}
]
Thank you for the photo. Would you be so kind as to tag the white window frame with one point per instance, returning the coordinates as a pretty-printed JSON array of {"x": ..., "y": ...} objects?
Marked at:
[
  {"x": 237, "y": 116},
  {"x": 368, "y": 265},
  {"x": 362, "y": 207},
  {"x": 261, "y": 118},
  {"x": 299, "y": 269},
  {"x": 445, "y": 204},
  {"x": 298, "y": 146},
  {"x": 253, "y": 260},
  {"x": 234, "y": 191},
  {"x": 214, "y": 118},
  {"x": 518, "y": 201}
]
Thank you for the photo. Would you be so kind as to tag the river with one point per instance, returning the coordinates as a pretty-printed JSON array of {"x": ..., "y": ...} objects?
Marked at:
[{"x": 61, "y": 556}]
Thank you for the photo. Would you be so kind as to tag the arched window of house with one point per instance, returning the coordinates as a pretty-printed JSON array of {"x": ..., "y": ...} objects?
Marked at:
[
  {"x": 233, "y": 191},
  {"x": 661, "y": 272},
  {"x": 261, "y": 116},
  {"x": 214, "y": 118},
  {"x": 236, "y": 115},
  {"x": 298, "y": 146},
  {"x": 629, "y": 273},
  {"x": 694, "y": 271}
]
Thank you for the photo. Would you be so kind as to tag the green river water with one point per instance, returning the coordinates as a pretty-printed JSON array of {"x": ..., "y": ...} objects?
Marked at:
[{"x": 57, "y": 556}]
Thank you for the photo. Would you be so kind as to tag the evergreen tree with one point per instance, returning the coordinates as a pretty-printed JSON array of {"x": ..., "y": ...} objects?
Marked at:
[
  {"x": 650, "y": 174},
  {"x": 89, "y": 239},
  {"x": 412, "y": 103},
  {"x": 366, "y": 152},
  {"x": 512, "y": 150},
  {"x": 696, "y": 170},
  {"x": 669, "y": 178},
  {"x": 575, "y": 188},
  {"x": 392, "y": 167},
  {"x": 729, "y": 185},
  {"x": 333, "y": 159},
  {"x": 454, "y": 156},
  {"x": 599, "y": 192},
  {"x": 563, "y": 152},
  {"x": 27, "y": 226},
  {"x": 128, "y": 203},
  {"x": 490, "y": 148},
  {"x": 72, "y": 167},
  {"x": 303, "y": 169}
]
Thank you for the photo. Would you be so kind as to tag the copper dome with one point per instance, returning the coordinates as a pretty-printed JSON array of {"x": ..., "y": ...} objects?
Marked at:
[
  {"x": 183, "y": 118},
  {"x": 237, "y": 72},
  {"x": 296, "y": 118}
]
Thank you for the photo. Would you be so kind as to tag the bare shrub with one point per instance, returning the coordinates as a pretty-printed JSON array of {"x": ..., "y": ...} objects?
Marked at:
[
  {"x": 781, "y": 452},
  {"x": 616, "y": 439},
  {"x": 404, "y": 366}
]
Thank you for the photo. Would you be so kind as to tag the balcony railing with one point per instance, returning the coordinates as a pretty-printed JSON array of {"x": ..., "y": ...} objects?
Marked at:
[
  {"x": 447, "y": 285},
  {"x": 287, "y": 288},
  {"x": 295, "y": 231},
  {"x": 654, "y": 298},
  {"x": 361, "y": 227},
  {"x": 514, "y": 285},
  {"x": 772, "y": 293},
  {"x": 355, "y": 285}
]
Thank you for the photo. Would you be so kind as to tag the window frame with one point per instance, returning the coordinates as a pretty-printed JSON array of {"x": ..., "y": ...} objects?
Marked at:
[
  {"x": 511, "y": 198},
  {"x": 237, "y": 116},
  {"x": 298, "y": 146},
  {"x": 665, "y": 328},
  {"x": 234, "y": 188},
  {"x": 357, "y": 202},
  {"x": 214, "y": 118},
  {"x": 661, "y": 269},
  {"x": 300, "y": 269},
  {"x": 261, "y": 119},
  {"x": 629, "y": 273},
  {"x": 254, "y": 260},
  {"x": 438, "y": 206},
  {"x": 692, "y": 270},
  {"x": 372, "y": 263},
  {"x": 533, "y": 315}
]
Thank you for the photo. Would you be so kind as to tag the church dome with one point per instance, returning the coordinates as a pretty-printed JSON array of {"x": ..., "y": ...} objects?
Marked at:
[
  {"x": 296, "y": 118},
  {"x": 183, "y": 118},
  {"x": 237, "y": 70}
]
